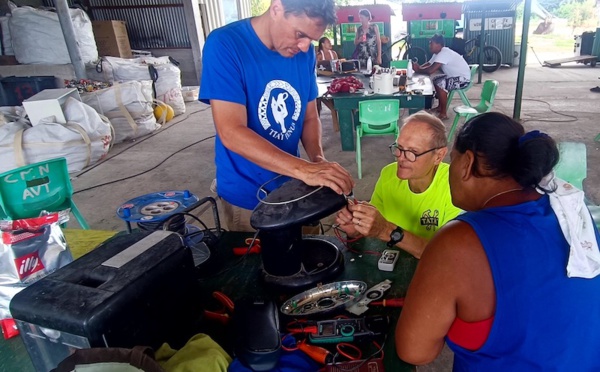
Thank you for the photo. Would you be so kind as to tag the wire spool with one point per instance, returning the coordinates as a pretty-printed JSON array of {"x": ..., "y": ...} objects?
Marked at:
[
  {"x": 151, "y": 210},
  {"x": 167, "y": 210}
]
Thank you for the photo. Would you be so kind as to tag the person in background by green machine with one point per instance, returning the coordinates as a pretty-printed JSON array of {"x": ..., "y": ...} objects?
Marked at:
[{"x": 367, "y": 40}]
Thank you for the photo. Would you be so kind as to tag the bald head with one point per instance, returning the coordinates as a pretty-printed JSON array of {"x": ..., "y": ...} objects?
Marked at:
[{"x": 430, "y": 123}]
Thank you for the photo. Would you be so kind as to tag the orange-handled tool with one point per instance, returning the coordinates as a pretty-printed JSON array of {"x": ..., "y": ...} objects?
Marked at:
[
  {"x": 255, "y": 248},
  {"x": 392, "y": 302},
  {"x": 316, "y": 353}
]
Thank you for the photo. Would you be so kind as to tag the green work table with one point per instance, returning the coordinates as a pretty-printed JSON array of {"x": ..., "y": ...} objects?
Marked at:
[
  {"x": 346, "y": 104},
  {"x": 242, "y": 279}
]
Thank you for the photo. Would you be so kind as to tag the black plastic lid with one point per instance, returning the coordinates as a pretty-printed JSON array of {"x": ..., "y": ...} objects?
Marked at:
[{"x": 282, "y": 209}]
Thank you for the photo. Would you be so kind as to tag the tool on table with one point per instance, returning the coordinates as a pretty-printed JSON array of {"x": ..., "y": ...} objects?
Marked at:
[
  {"x": 388, "y": 260},
  {"x": 348, "y": 330},
  {"x": 373, "y": 294},
  {"x": 325, "y": 298},
  {"x": 249, "y": 249},
  {"x": 391, "y": 302},
  {"x": 316, "y": 353},
  {"x": 223, "y": 314}
]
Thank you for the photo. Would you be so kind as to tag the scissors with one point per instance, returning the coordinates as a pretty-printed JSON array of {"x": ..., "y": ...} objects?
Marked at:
[{"x": 255, "y": 248}]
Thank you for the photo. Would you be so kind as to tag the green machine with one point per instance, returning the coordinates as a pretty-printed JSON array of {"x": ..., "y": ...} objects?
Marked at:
[{"x": 427, "y": 19}]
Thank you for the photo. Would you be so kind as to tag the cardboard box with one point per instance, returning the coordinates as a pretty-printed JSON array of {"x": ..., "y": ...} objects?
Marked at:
[
  {"x": 111, "y": 38},
  {"x": 47, "y": 103}
]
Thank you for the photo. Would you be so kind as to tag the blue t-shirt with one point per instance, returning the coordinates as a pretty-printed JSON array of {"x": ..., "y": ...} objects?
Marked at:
[
  {"x": 544, "y": 321},
  {"x": 237, "y": 67}
]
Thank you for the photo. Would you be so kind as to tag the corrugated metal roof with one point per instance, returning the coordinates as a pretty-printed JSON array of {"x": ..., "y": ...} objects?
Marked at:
[
  {"x": 151, "y": 24},
  {"x": 492, "y": 5}
]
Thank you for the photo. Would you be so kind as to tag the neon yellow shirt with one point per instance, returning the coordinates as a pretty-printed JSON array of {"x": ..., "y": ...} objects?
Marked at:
[{"x": 422, "y": 214}]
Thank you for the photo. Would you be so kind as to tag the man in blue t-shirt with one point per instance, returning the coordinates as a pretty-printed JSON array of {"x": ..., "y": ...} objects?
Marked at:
[{"x": 259, "y": 77}]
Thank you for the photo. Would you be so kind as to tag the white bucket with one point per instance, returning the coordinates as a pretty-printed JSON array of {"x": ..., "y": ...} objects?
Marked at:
[
  {"x": 383, "y": 83},
  {"x": 190, "y": 94}
]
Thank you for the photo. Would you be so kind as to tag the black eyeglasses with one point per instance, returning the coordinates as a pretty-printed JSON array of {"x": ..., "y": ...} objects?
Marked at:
[{"x": 408, "y": 154}]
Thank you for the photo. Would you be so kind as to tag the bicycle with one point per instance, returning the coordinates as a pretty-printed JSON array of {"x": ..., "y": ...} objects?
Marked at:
[
  {"x": 407, "y": 50},
  {"x": 492, "y": 56}
]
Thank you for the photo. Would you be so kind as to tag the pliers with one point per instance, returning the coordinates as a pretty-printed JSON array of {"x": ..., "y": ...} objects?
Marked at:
[
  {"x": 255, "y": 248},
  {"x": 223, "y": 314}
]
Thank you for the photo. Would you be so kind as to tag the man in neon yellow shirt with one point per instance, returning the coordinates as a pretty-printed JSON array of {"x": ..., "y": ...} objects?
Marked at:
[{"x": 411, "y": 200}]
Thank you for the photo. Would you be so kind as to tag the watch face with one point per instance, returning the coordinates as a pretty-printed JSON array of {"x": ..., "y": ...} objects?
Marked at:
[{"x": 396, "y": 235}]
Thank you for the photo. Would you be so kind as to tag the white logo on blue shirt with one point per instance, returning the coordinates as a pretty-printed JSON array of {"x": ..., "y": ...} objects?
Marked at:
[{"x": 275, "y": 97}]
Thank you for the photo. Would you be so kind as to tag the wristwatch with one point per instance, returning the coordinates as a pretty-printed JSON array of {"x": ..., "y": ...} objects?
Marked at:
[{"x": 396, "y": 236}]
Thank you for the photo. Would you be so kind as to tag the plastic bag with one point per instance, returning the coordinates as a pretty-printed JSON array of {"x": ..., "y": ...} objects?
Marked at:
[
  {"x": 29, "y": 250},
  {"x": 348, "y": 84}
]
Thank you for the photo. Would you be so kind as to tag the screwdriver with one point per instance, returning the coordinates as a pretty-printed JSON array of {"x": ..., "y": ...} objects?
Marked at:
[{"x": 392, "y": 302}]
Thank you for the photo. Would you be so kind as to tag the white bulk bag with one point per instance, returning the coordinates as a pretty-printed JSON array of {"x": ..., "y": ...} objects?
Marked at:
[
  {"x": 7, "y": 48},
  {"x": 128, "y": 106},
  {"x": 167, "y": 82},
  {"x": 85, "y": 139},
  {"x": 37, "y": 37}
]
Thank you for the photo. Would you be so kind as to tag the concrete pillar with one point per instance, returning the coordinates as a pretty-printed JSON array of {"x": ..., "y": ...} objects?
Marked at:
[
  {"x": 193, "y": 22},
  {"x": 66, "y": 23}
]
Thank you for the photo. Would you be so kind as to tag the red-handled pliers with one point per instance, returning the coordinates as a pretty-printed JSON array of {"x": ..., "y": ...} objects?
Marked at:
[
  {"x": 255, "y": 248},
  {"x": 223, "y": 314}
]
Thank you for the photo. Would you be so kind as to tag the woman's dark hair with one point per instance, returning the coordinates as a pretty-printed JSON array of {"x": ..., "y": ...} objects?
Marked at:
[
  {"x": 502, "y": 149},
  {"x": 323, "y": 9},
  {"x": 321, "y": 41},
  {"x": 366, "y": 13}
]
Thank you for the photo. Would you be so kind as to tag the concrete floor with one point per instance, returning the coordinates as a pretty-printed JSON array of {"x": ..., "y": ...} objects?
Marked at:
[{"x": 180, "y": 156}]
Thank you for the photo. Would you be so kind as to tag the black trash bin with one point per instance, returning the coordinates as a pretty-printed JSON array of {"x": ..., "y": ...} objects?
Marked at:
[{"x": 16, "y": 89}]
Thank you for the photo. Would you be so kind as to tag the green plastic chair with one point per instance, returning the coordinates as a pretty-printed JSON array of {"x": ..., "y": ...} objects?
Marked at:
[
  {"x": 28, "y": 190},
  {"x": 488, "y": 94},
  {"x": 376, "y": 117},
  {"x": 597, "y": 139},
  {"x": 462, "y": 92},
  {"x": 572, "y": 164},
  {"x": 402, "y": 63}
]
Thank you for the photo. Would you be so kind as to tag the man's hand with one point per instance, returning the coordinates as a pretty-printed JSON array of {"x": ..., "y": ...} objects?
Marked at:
[
  {"x": 368, "y": 221},
  {"x": 344, "y": 220},
  {"x": 326, "y": 173},
  {"x": 416, "y": 67}
]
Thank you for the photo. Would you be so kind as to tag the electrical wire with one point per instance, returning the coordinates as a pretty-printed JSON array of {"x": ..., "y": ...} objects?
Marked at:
[
  {"x": 262, "y": 189},
  {"x": 146, "y": 171},
  {"x": 359, "y": 365},
  {"x": 573, "y": 118},
  {"x": 155, "y": 133},
  {"x": 239, "y": 261}
]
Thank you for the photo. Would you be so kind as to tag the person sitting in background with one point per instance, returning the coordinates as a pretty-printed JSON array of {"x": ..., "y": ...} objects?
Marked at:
[
  {"x": 456, "y": 73},
  {"x": 367, "y": 40},
  {"x": 412, "y": 195},
  {"x": 512, "y": 283},
  {"x": 325, "y": 50}
]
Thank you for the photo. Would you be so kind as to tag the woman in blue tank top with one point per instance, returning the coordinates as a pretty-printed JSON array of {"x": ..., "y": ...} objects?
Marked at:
[{"x": 497, "y": 283}]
